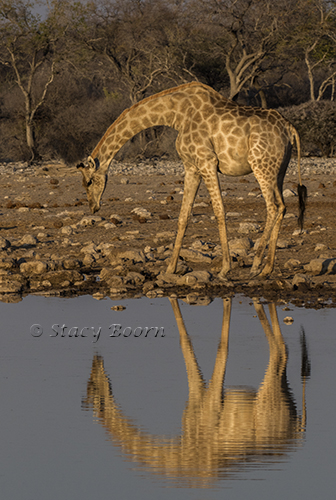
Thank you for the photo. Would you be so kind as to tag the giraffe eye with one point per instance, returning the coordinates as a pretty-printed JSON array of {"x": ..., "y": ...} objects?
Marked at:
[{"x": 89, "y": 183}]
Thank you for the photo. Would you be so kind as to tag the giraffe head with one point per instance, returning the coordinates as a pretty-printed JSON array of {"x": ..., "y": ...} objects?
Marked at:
[{"x": 94, "y": 181}]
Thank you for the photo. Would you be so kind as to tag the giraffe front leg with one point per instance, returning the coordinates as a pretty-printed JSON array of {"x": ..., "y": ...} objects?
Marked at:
[{"x": 192, "y": 181}]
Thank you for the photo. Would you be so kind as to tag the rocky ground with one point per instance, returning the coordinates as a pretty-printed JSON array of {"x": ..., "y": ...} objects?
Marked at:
[{"x": 50, "y": 244}]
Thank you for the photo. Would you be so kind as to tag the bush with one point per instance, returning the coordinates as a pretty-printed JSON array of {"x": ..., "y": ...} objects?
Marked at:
[{"x": 316, "y": 123}]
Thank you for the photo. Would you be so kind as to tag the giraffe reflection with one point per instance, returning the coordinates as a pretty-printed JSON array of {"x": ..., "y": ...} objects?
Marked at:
[{"x": 222, "y": 430}]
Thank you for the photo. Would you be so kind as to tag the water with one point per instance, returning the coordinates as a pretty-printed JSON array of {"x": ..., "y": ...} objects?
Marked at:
[{"x": 133, "y": 415}]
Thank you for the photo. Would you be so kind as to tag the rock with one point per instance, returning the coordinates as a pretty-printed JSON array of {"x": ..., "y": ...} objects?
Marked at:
[
  {"x": 134, "y": 278},
  {"x": 201, "y": 204},
  {"x": 116, "y": 219},
  {"x": 90, "y": 248},
  {"x": 90, "y": 220},
  {"x": 165, "y": 235},
  {"x": 248, "y": 227},
  {"x": 67, "y": 230},
  {"x": 195, "y": 255},
  {"x": 148, "y": 286},
  {"x": 118, "y": 308},
  {"x": 7, "y": 263},
  {"x": 283, "y": 244},
  {"x": 118, "y": 255},
  {"x": 292, "y": 263},
  {"x": 28, "y": 240},
  {"x": 11, "y": 283},
  {"x": 104, "y": 248},
  {"x": 34, "y": 267},
  {"x": 298, "y": 232},
  {"x": 118, "y": 291},
  {"x": 233, "y": 214},
  {"x": 170, "y": 278},
  {"x": 89, "y": 259},
  {"x": 71, "y": 263},
  {"x": 288, "y": 320},
  {"x": 321, "y": 266},
  {"x": 141, "y": 212},
  {"x": 320, "y": 247},
  {"x": 240, "y": 244},
  {"x": 288, "y": 193},
  {"x": 202, "y": 245},
  {"x": 197, "y": 277},
  {"x": 59, "y": 278},
  {"x": 115, "y": 281},
  {"x": 300, "y": 279},
  {"x": 4, "y": 244}
]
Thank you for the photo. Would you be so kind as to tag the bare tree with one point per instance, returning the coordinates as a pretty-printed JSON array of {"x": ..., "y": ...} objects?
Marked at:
[
  {"x": 246, "y": 33},
  {"x": 131, "y": 37},
  {"x": 27, "y": 47}
]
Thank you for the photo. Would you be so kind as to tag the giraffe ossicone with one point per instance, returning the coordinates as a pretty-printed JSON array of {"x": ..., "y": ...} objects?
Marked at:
[{"x": 214, "y": 135}]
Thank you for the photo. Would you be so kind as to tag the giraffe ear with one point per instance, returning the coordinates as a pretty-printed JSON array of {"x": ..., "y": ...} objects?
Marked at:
[
  {"x": 91, "y": 167},
  {"x": 93, "y": 163}
]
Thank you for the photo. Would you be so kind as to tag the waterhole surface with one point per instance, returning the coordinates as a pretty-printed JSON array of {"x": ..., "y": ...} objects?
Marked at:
[{"x": 164, "y": 399}]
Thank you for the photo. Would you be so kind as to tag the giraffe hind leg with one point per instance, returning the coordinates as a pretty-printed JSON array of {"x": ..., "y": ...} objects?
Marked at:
[
  {"x": 192, "y": 181},
  {"x": 275, "y": 213}
]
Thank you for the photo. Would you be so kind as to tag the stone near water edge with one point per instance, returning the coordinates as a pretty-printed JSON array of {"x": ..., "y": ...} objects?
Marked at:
[
  {"x": 134, "y": 278},
  {"x": 34, "y": 267},
  {"x": 301, "y": 279},
  {"x": 321, "y": 266},
  {"x": 194, "y": 277}
]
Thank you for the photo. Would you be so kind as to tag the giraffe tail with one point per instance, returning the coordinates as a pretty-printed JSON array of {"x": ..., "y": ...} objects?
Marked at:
[{"x": 302, "y": 190}]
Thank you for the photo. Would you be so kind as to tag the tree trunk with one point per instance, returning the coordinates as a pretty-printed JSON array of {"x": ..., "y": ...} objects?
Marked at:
[{"x": 30, "y": 138}]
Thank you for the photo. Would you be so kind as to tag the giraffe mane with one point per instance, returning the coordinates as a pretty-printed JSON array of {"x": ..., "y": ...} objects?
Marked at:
[{"x": 154, "y": 96}]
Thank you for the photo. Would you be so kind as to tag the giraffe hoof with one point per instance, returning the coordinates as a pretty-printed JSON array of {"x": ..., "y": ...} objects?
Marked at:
[
  {"x": 254, "y": 274},
  {"x": 224, "y": 278}
]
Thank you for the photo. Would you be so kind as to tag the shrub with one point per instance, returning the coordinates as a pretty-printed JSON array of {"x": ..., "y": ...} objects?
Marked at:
[{"x": 316, "y": 123}]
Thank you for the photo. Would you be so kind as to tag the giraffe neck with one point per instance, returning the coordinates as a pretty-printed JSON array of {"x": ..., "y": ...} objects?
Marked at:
[{"x": 160, "y": 109}]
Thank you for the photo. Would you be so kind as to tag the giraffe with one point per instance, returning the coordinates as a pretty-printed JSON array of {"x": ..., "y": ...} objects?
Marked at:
[
  {"x": 222, "y": 429},
  {"x": 214, "y": 135}
]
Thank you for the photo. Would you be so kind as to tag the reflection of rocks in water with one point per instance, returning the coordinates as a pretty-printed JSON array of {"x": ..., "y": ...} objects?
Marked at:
[{"x": 223, "y": 430}]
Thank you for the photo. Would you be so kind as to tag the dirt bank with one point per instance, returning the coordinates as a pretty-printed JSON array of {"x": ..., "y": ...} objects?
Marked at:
[{"x": 50, "y": 244}]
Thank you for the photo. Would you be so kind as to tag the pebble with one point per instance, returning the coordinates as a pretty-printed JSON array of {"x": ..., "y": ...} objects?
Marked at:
[
  {"x": 249, "y": 227},
  {"x": 118, "y": 308}
]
